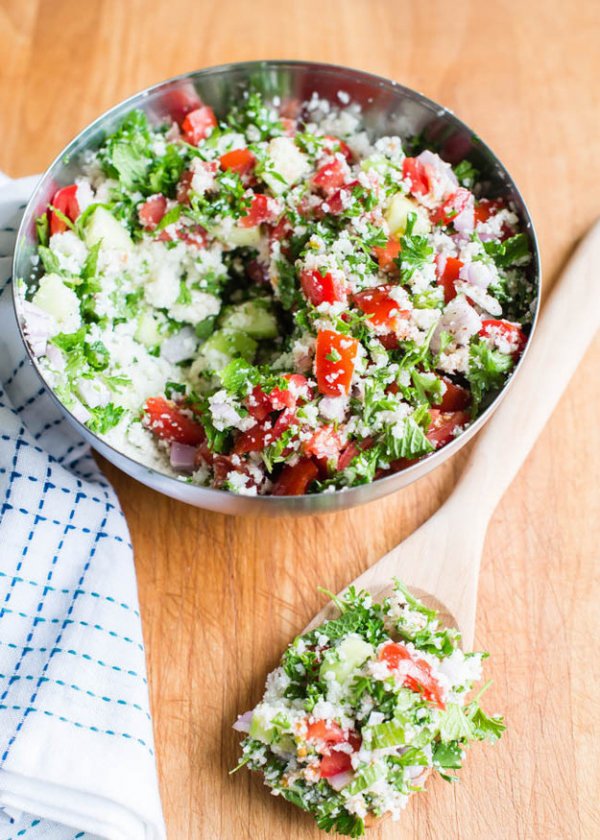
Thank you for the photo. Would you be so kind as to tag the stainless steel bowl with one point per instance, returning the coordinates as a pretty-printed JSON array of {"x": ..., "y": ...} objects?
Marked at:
[{"x": 388, "y": 108}]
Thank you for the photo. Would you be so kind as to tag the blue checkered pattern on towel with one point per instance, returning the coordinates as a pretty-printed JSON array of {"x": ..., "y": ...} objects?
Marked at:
[{"x": 76, "y": 745}]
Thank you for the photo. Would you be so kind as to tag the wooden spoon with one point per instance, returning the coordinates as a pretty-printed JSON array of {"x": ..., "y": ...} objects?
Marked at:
[{"x": 440, "y": 561}]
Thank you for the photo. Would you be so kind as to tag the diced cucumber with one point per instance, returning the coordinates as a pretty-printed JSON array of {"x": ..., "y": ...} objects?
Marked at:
[
  {"x": 397, "y": 215},
  {"x": 260, "y": 726},
  {"x": 59, "y": 301},
  {"x": 240, "y": 237},
  {"x": 263, "y": 730},
  {"x": 366, "y": 778},
  {"x": 254, "y": 317},
  {"x": 102, "y": 226},
  {"x": 343, "y": 660},
  {"x": 147, "y": 330},
  {"x": 220, "y": 348},
  {"x": 382, "y": 735},
  {"x": 286, "y": 164}
]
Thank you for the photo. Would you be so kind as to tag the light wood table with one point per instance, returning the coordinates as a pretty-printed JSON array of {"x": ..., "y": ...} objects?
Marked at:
[{"x": 221, "y": 596}]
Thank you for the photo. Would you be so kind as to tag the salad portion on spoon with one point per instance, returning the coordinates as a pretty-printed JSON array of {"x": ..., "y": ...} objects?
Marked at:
[{"x": 363, "y": 708}]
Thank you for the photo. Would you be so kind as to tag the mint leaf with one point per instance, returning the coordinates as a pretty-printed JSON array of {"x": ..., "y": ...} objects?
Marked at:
[
  {"x": 237, "y": 375},
  {"x": 455, "y": 725},
  {"x": 105, "y": 418},
  {"x": 488, "y": 369},
  {"x": 510, "y": 252},
  {"x": 466, "y": 173},
  {"x": 486, "y": 728},
  {"x": 411, "y": 444}
]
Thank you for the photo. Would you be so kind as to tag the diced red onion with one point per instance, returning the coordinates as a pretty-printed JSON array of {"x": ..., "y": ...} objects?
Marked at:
[
  {"x": 439, "y": 166},
  {"x": 340, "y": 780},
  {"x": 477, "y": 273},
  {"x": 243, "y": 722},
  {"x": 55, "y": 357},
  {"x": 464, "y": 222},
  {"x": 460, "y": 320},
  {"x": 182, "y": 457},
  {"x": 39, "y": 326},
  {"x": 480, "y": 297},
  {"x": 441, "y": 261}
]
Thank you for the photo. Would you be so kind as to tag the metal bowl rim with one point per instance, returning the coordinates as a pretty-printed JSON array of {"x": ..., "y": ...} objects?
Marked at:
[{"x": 437, "y": 457}]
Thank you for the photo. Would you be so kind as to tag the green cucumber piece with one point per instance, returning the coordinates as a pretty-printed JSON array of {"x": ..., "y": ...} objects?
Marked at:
[
  {"x": 222, "y": 347},
  {"x": 147, "y": 330},
  {"x": 101, "y": 226},
  {"x": 345, "y": 658},
  {"x": 59, "y": 301},
  {"x": 254, "y": 317}
]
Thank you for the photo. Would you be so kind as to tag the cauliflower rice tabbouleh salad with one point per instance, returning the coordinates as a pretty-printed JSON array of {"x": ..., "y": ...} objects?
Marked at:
[
  {"x": 362, "y": 709},
  {"x": 275, "y": 303}
]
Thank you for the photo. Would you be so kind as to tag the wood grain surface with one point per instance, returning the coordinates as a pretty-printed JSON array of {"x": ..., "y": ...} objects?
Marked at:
[{"x": 222, "y": 596}]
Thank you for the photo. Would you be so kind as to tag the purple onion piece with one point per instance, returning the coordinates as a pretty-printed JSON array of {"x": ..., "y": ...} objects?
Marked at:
[
  {"x": 340, "y": 780},
  {"x": 182, "y": 457},
  {"x": 243, "y": 722},
  {"x": 477, "y": 273}
]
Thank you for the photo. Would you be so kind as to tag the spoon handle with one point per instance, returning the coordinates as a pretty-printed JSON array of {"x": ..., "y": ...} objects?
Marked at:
[{"x": 567, "y": 325}]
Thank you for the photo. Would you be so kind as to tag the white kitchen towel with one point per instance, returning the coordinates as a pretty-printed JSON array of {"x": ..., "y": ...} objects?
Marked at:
[{"x": 76, "y": 745}]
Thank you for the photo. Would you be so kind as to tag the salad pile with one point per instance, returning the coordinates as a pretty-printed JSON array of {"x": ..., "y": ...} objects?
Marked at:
[
  {"x": 275, "y": 303},
  {"x": 362, "y": 709}
]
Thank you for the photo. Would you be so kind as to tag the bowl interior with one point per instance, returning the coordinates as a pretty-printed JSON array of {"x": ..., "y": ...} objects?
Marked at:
[{"x": 388, "y": 109}]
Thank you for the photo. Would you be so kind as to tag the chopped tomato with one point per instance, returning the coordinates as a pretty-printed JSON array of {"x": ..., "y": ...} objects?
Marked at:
[
  {"x": 454, "y": 398},
  {"x": 322, "y": 288},
  {"x": 169, "y": 421},
  {"x": 388, "y": 254},
  {"x": 485, "y": 208},
  {"x": 334, "y": 362},
  {"x": 394, "y": 653},
  {"x": 184, "y": 186},
  {"x": 181, "y": 101},
  {"x": 152, "y": 211},
  {"x": 381, "y": 308},
  {"x": 353, "y": 449},
  {"x": 295, "y": 480},
  {"x": 389, "y": 341},
  {"x": 418, "y": 174},
  {"x": 334, "y": 144},
  {"x": 223, "y": 465},
  {"x": 65, "y": 201},
  {"x": 241, "y": 161},
  {"x": 452, "y": 206},
  {"x": 444, "y": 425},
  {"x": 197, "y": 124},
  {"x": 331, "y": 176},
  {"x": 448, "y": 271},
  {"x": 194, "y": 235},
  {"x": 282, "y": 230},
  {"x": 324, "y": 730},
  {"x": 324, "y": 444},
  {"x": 260, "y": 404},
  {"x": 262, "y": 208},
  {"x": 418, "y": 676},
  {"x": 511, "y": 333},
  {"x": 336, "y": 203},
  {"x": 333, "y": 763},
  {"x": 252, "y": 440},
  {"x": 286, "y": 419}
]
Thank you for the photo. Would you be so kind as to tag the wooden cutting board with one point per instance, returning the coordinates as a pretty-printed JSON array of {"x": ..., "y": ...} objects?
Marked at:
[{"x": 525, "y": 77}]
